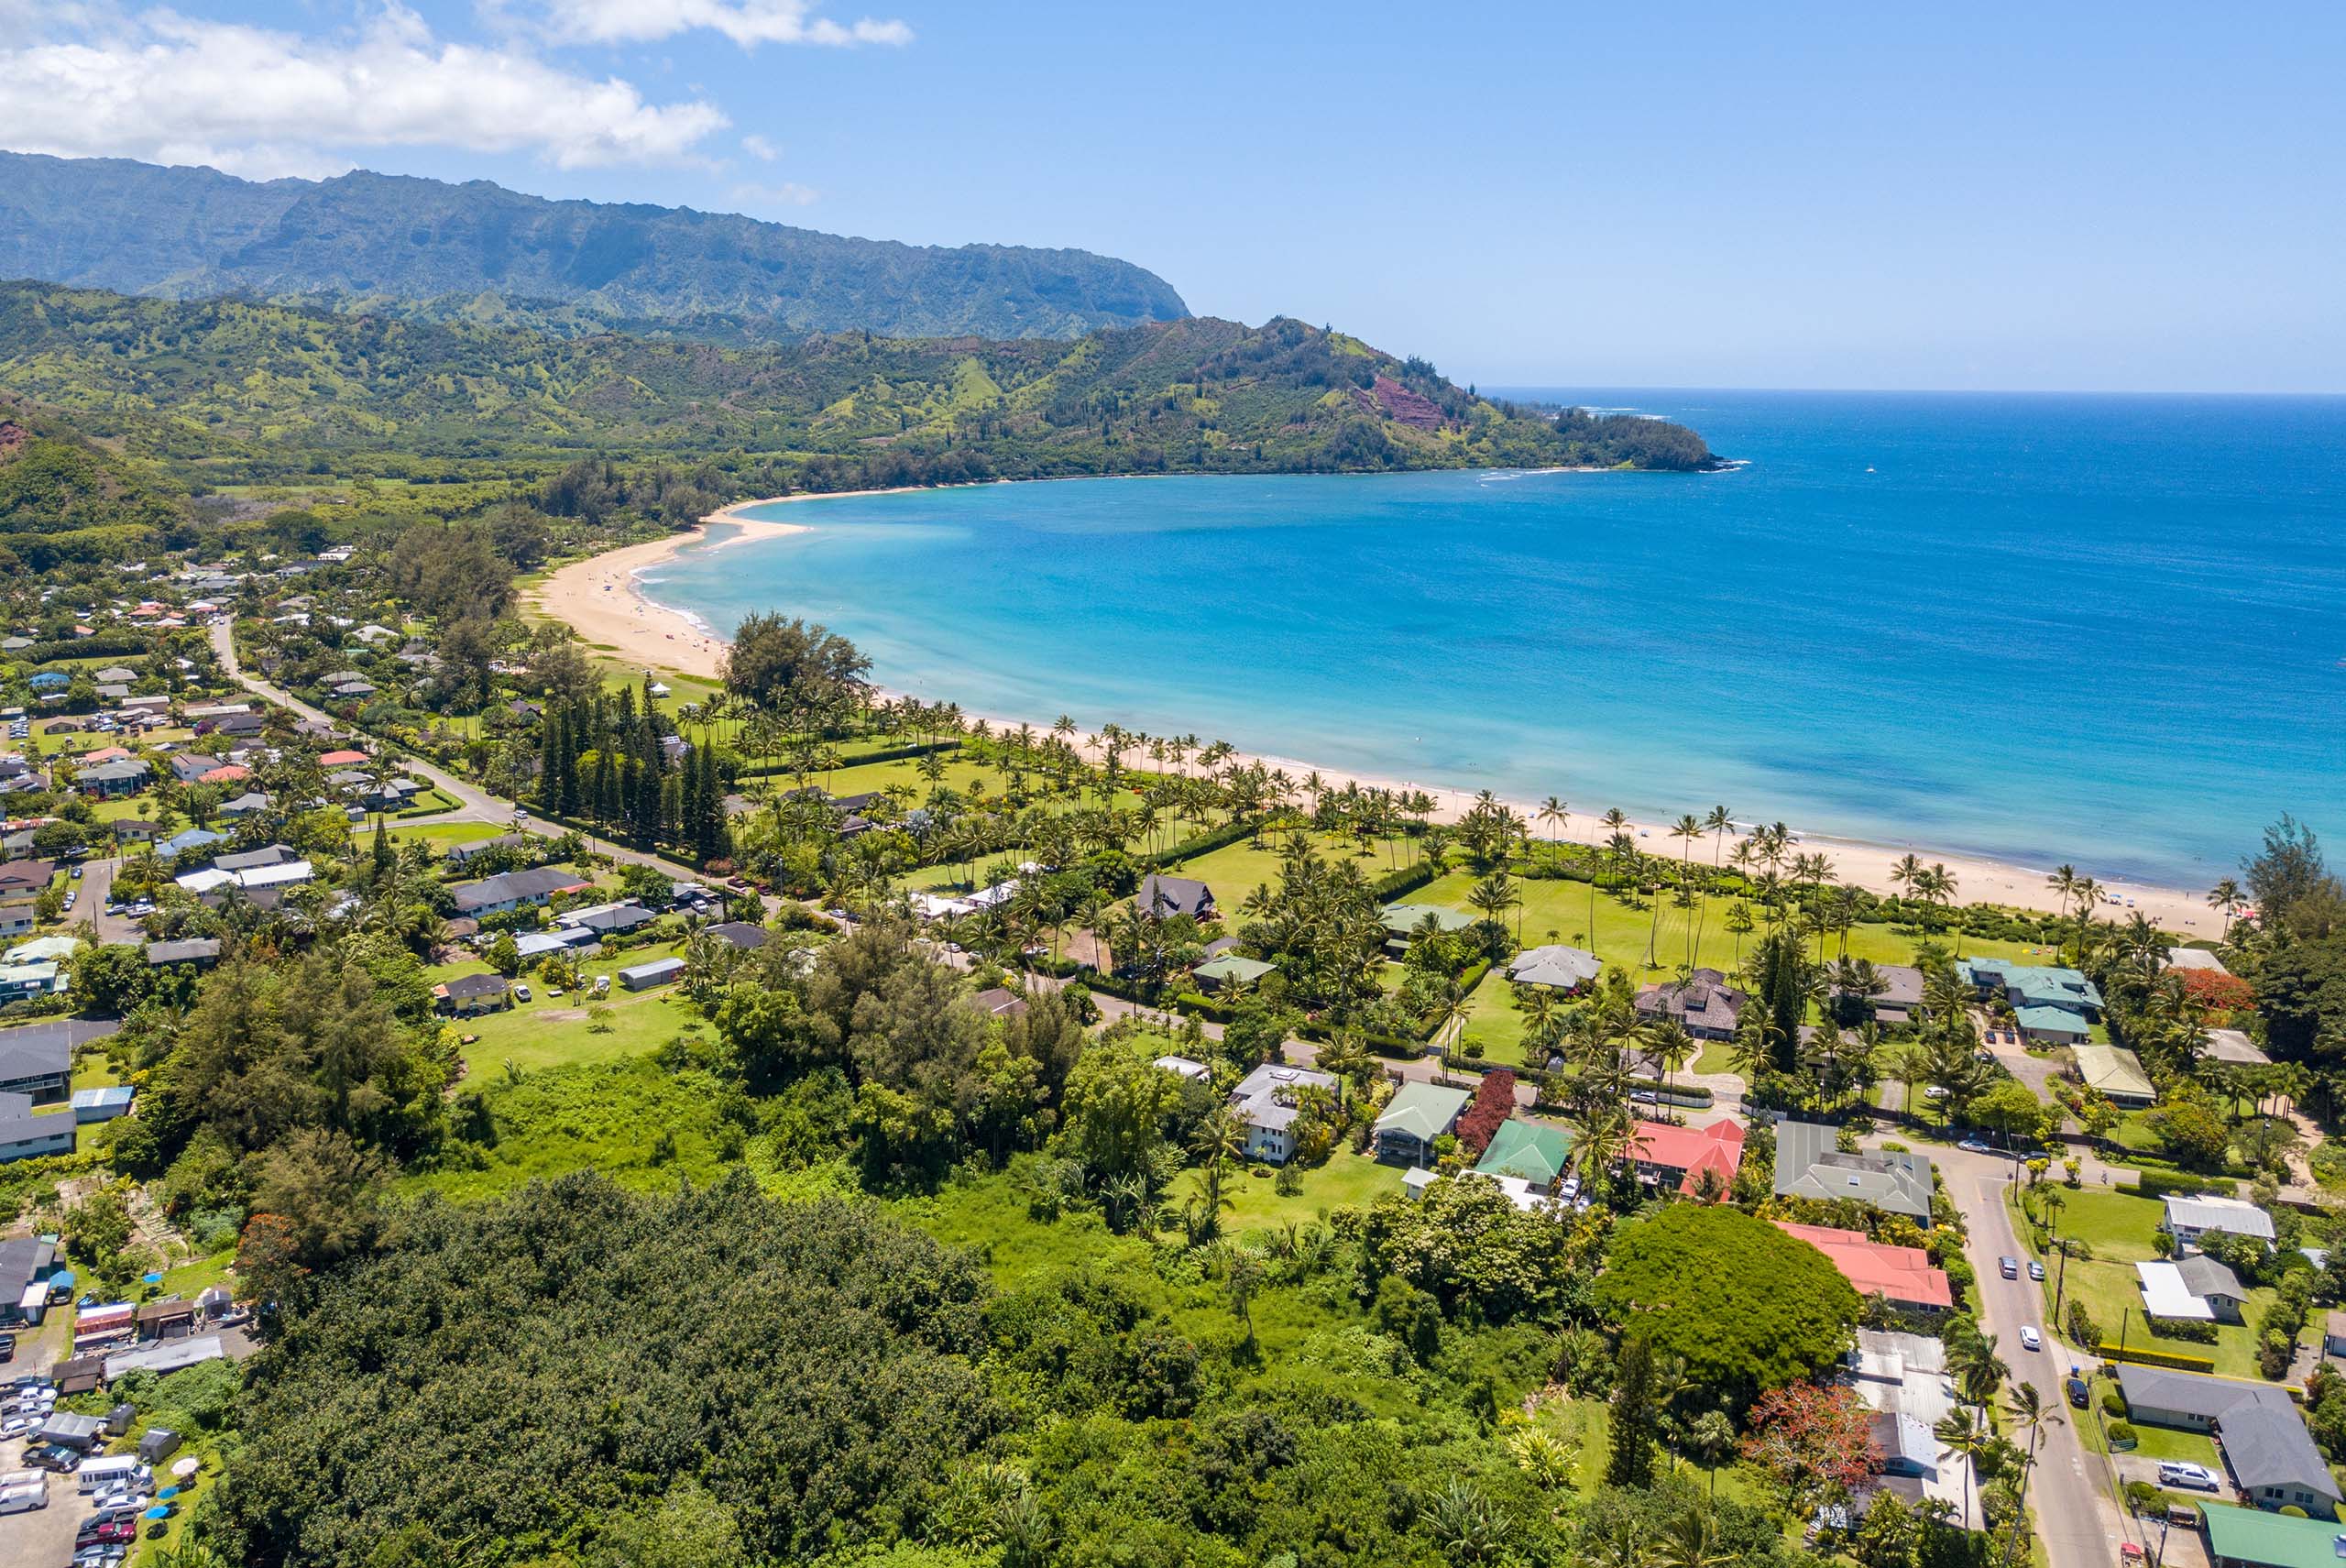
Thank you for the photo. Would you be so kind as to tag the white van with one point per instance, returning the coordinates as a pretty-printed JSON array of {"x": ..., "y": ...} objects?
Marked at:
[
  {"x": 14, "y": 1478},
  {"x": 23, "y": 1499},
  {"x": 113, "y": 1470}
]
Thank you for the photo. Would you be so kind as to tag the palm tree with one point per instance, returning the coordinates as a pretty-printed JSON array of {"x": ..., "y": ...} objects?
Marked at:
[
  {"x": 1710, "y": 1439},
  {"x": 1686, "y": 830},
  {"x": 2089, "y": 895},
  {"x": 2063, "y": 884},
  {"x": 1673, "y": 1047},
  {"x": 1957, "y": 1433},
  {"x": 1551, "y": 810},
  {"x": 2029, "y": 1414},
  {"x": 2226, "y": 897}
]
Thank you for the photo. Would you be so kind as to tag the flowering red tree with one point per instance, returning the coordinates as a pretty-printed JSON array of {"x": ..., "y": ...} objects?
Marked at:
[
  {"x": 1493, "y": 1103},
  {"x": 1815, "y": 1443},
  {"x": 2219, "y": 992}
]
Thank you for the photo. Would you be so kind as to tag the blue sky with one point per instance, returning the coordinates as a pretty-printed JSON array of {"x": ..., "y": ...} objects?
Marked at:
[{"x": 2079, "y": 196}]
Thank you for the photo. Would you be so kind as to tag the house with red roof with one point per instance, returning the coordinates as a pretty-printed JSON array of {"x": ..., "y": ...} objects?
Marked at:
[
  {"x": 1676, "y": 1157},
  {"x": 344, "y": 759},
  {"x": 228, "y": 772},
  {"x": 1902, "y": 1276}
]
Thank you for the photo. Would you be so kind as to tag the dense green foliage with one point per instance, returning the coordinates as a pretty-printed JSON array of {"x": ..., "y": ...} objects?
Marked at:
[
  {"x": 517, "y": 1374},
  {"x": 226, "y": 389},
  {"x": 1777, "y": 1311},
  {"x": 476, "y": 251},
  {"x": 63, "y": 500}
]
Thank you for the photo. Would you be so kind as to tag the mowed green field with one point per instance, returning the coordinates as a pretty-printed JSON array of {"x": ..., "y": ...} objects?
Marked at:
[
  {"x": 1559, "y": 911},
  {"x": 555, "y": 1032},
  {"x": 1236, "y": 869}
]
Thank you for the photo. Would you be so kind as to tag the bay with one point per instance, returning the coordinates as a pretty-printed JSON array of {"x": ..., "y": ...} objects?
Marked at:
[{"x": 2103, "y": 630}]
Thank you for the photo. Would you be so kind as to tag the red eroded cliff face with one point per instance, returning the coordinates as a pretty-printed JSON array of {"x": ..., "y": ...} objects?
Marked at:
[
  {"x": 12, "y": 436},
  {"x": 1400, "y": 405}
]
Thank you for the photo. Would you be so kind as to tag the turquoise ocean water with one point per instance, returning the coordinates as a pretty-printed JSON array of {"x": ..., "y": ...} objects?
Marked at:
[{"x": 2111, "y": 631}]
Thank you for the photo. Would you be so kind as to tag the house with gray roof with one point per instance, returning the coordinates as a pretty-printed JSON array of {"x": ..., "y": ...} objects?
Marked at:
[
  {"x": 1557, "y": 967},
  {"x": 1704, "y": 1002},
  {"x": 1265, "y": 1101},
  {"x": 2271, "y": 1458},
  {"x": 1163, "y": 896},
  {"x": 37, "y": 1059},
  {"x": 1810, "y": 1164},
  {"x": 26, "y": 1133},
  {"x": 509, "y": 891},
  {"x": 2188, "y": 1217},
  {"x": 108, "y": 781}
]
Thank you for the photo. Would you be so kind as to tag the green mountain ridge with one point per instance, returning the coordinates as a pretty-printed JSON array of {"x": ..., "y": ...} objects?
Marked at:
[
  {"x": 226, "y": 389},
  {"x": 477, "y": 251}
]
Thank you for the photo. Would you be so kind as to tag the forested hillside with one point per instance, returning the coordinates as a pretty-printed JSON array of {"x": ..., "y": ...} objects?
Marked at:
[
  {"x": 478, "y": 251},
  {"x": 63, "y": 499},
  {"x": 227, "y": 390}
]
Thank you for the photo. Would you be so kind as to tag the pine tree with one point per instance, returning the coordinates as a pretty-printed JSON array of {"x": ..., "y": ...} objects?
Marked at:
[
  {"x": 550, "y": 761},
  {"x": 382, "y": 847},
  {"x": 607, "y": 789},
  {"x": 1631, "y": 1462}
]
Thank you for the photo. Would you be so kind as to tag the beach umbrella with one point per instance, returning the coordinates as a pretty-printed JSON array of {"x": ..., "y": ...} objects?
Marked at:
[
  {"x": 167, "y": 1494},
  {"x": 152, "y": 1279},
  {"x": 157, "y": 1512},
  {"x": 186, "y": 1468}
]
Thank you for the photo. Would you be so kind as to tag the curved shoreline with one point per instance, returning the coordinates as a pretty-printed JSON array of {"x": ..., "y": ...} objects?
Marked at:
[{"x": 602, "y": 597}]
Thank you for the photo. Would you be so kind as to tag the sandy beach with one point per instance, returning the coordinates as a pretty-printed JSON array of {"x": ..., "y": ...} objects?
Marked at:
[{"x": 602, "y": 598}]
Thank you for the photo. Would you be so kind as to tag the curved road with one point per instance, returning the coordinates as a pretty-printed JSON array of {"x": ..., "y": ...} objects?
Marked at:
[{"x": 473, "y": 802}]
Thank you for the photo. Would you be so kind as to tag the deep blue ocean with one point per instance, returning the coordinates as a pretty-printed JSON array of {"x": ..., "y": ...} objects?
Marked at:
[{"x": 2104, "y": 630}]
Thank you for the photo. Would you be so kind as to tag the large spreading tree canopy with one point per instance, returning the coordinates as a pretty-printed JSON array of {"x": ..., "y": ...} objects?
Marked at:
[
  {"x": 1747, "y": 1307},
  {"x": 513, "y": 1382}
]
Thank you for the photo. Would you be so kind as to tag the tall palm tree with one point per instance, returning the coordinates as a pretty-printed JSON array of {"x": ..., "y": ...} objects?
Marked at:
[
  {"x": 2089, "y": 895},
  {"x": 1686, "y": 830},
  {"x": 2029, "y": 1414},
  {"x": 2063, "y": 884},
  {"x": 2226, "y": 898},
  {"x": 1551, "y": 810}
]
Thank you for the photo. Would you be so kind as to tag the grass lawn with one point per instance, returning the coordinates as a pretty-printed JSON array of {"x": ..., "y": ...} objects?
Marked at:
[
  {"x": 548, "y": 1032},
  {"x": 430, "y": 802},
  {"x": 1236, "y": 869},
  {"x": 2118, "y": 1226},
  {"x": 440, "y": 836},
  {"x": 1554, "y": 910},
  {"x": 1347, "y": 1181}
]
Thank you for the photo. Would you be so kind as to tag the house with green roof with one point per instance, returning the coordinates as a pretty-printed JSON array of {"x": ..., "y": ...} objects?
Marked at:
[
  {"x": 1403, "y": 921},
  {"x": 1534, "y": 1151},
  {"x": 2251, "y": 1537},
  {"x": 1413, "y": 1119},
  {"x": 2052, "y": 1025},
  {"x": 1230, "y": 968}
]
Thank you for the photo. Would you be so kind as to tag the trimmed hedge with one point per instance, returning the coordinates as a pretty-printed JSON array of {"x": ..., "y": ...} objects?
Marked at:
[
  {"x": 2173, "y": 1361},
  {"x": 1409, "y": 879},
  {"x": 2163, "y": 1183},
  {"x": 1203, "y": 844},
  {"x": 891, "y": 754}
]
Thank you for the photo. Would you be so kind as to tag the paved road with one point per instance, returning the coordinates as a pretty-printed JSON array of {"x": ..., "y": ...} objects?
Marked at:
[
  {"x": 474, "y": 804},
  {"x": 97, "y": 887},
  {"x": 2071, "y": 1491}
]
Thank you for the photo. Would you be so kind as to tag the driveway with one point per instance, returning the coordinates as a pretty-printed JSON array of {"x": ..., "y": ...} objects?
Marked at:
[
  {"x": 2072, "y": 1491},
  {"x": 97, "y": 888}
]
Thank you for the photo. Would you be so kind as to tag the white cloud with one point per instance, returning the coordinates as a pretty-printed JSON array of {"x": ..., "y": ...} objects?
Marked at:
[
  {"x": 168, "y": 88},
  {"x": 757, "y": 147},
  {"x": 747, "y": 22},
  {"x": 787, "y": 194}
]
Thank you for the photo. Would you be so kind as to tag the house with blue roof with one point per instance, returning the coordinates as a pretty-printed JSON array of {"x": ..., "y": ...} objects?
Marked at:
[
  {"x": 2054, "y": 1005},
  {"x": 189, "y": 838}
]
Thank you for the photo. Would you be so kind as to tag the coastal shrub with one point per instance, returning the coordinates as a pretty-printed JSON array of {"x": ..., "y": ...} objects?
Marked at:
[
  {"x": 2122, "y": 1431},
  {"x": 1493, "y": 1103}
]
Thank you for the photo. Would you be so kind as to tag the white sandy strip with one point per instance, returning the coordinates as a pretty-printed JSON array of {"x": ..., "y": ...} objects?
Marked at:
[{"x": 602, "y": 601}]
